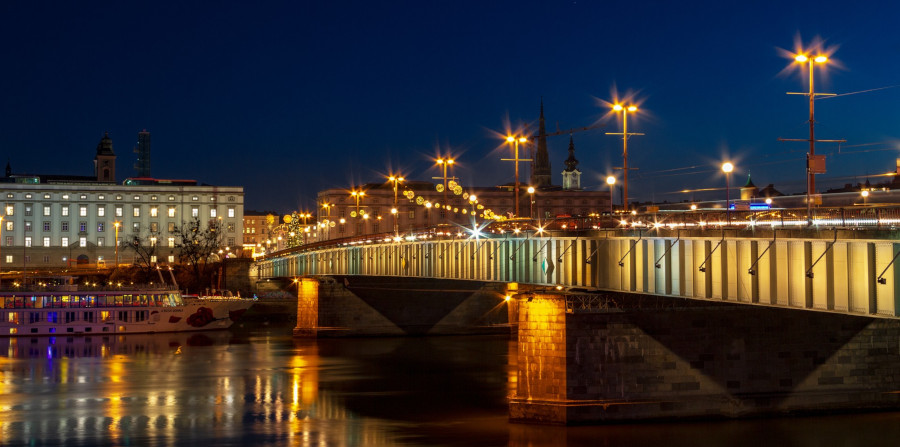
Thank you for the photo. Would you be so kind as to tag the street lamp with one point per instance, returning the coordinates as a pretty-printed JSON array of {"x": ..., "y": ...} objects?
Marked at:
[
  {"x": 515, "y": 142},
  {"x": 611, "y": 181},
  {"x": 624, "y": 133},
  {"x": 444, "y": 163},
  {"x": 395, "y": 180},
  {"x": 357, "y": 195},
  {"x": 117, "y": 224},
  {"x": 727, "y": 167},
  {"x": 427, "y": 217},
  {"x": 473, "y": 200},
  {"x": 531, "y": 196},
  {"x": 865, "y": 196}
]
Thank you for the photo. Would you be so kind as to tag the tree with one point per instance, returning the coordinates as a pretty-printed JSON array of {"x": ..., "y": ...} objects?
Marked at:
[
  {"x": 196, "y": 244},
  {"x": 144, "y": 248}
]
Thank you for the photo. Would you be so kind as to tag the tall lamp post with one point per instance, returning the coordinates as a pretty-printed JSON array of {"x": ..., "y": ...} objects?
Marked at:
[
  {"x": 395, "y": 180},
  {"x": 624, "y": 133},
  {"x": 727, "y": 167},
  {"x": 444, "y": 163},
  {"x": 611, "y": 181},
  {"x": 515, "y": 142},
  {"x": 117, "y": 224},
  {"x": 865, "y": 196},
  {"x": 531, "y": 197}
]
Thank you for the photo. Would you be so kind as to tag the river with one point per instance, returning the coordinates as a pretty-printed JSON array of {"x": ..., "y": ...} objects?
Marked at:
[{"x": 259, "y": 386}]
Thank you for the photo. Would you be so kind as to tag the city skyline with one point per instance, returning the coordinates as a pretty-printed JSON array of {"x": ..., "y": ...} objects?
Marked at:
[{"x": 288, "y": 100}]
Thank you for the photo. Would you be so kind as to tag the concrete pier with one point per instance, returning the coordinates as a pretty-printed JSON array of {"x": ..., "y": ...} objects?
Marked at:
[{"x": 589, "y": 359}]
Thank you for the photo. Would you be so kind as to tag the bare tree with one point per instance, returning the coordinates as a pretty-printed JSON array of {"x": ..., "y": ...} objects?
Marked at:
[
  {"x": 196, "y": 243},
  {"x": 144, "y": 248}
]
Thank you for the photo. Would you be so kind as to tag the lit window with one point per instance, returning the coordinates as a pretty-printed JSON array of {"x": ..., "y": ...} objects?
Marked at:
[
  {"x": 27, "y": 225},
  {"x": 100, "y": 241},
  {"x": 65, "y": 197},
  {"x": 154, "y": 227},
  {"x": 101, "y": 226},
  {"x": 171, "y": 242},
  {"x": 46, "y": 196},
  {"x": 195, "y": 212},
  {"x": 153, "y": 242},
  {"x": 9, "y": 260},
  {"x": 27, "y": 209},
  {"x": 137, "y": 198},
  {"x": 153, "y": 259},
  {"x": 101, "y": 197},
  {"x": 137, "y": 227},
  {"x": 9, "y": 226},
  {"x": 101, "y": 211},
  {"x": 136, "y": 211},
  {"x": 84, "y": 197},
  {"x": 46, "y": 241},
  {"x": 230, "y": 211},
  {"x": 195, "y": 198},
  {"x": 28, "y": 241},
  {"x": 119, "y": 211},
  {"x": 82, "y": 242},
  {"x": 82, "y": 210},
  {"x": 64, "y": 242},
  {"x": 212, "y": 213},
  {"x": 65, "y": 210},
  {"x": 46, "y": 210},
  {"x": 152, "y": 197},
  {"x": 171, "y": 259},
  {"x": 154, "y": 212},
  {"x": 10, "y": 210}
]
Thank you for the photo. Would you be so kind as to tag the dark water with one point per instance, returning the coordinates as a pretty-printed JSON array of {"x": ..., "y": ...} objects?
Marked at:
[{"x": 261, "y": 387}]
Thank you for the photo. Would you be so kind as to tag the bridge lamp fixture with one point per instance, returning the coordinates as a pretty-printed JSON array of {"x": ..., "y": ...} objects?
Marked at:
[
  {"x": 693, "y": 207},
  {"x": 507, "y": 298}
]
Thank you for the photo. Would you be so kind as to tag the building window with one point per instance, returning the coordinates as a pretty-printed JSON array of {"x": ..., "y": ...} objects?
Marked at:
[
  {"x": 153, "y": 242},
  {"x": 28, "y": 241},
  {"x": 84, "y": 197},
  {"x": 27, "y": 225},
  {"x": 9, "y": 195},
  {"x": 171, "y": 227},
  {"x": 171, "y": 259},
  {"x": 64, "y": 226},
  {"x": 46, "y": 226},
  {"x": 82, "y": 227},
  {"x": 195, "y": 198},
  {"x": 9, "y": 225},
  {"x": 212, "y": 198},
  {"x": 171, "y": 211},
  {"x": 101, "y": 197},
  {"x": 119, "y": 211},
  {"x": 152, "y": 197},
  {"x": 118, "y": 197},
  {"x": 27, "y": 209},
  {"x": 154, "y": 212},
  {"x": 230, "y": 241},
  {"x": 9, "y": 259},
  {"x": 64, "y": 242},
  {"x": 65, "y": 210},
  {"x": 137, "y": 227},
  {"x": 46, "y": 241},
  {"x": 231, "y": 227},
  {"x": 101, "y": 211},
  {"x": 46, "y": 259},
  {"x": 101, "y": 226},
  {"x": 137, "y": 198},
  {"x": 46, "y": 210},
  {"x": 195, "y": 212},
  {"x": 10, "y": 210},
  {"x": 412, "y": 214},
  {"x": 100, "y": 241},
  {"x": 82, "y": 241},
  {"x": 153, "y": 259},
  {"x": 82, "y": 210},
  {"x": 212, "y": 213},
  {"x": 136, "y": 212},
  {"x": 171, "y": 242},
  {"x": 65, "y": 197},
  {"x": 154, "y": 227},
  {"x": 230, "y": 211}
]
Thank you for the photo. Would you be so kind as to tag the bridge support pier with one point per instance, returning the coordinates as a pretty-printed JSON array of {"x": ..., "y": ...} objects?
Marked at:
[
  {"x": 594, "y": 359},
  {"x": 307, "y": 308}
]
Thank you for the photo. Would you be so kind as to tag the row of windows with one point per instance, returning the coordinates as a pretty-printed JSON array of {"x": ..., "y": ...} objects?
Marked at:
[
  {"x": 101, "y": 242},
  {"x": 29, "y": 195},
  {"x": 13, "y": 260},
  {"x": 101, "y": 226},
  {"x": 119, "y": 211}
]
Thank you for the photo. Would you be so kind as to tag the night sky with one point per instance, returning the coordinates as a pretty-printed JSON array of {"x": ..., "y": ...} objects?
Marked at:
[{"x": 287, "y": 98}]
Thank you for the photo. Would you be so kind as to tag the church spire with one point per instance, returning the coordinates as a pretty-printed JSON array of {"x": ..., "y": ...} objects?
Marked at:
[
  {"x": 540, "y": 175},
  {"x": 571, "y": 175}
]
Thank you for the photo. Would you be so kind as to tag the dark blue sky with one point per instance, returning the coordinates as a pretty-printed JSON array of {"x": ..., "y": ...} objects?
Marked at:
[{"x": 287, "y": 98}]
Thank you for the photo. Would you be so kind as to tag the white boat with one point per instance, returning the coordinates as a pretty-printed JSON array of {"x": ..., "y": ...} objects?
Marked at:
[{"x": 114, "y": 312}]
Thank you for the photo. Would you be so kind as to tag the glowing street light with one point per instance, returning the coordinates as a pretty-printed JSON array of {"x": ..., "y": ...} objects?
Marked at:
[
  {"x": 611, "y": 181},
  {"x": 515, "y": 142},
  {"x": 727, "y": 167},
  {"x": 444, "y": 164},
  {"x": 357, "y": 195},
  {"x": 395, "y": 180},
  {"x": 531, "y": 194},
  {"x": 814, "y": 165},
  {"x": 624, "y": 133},
  {"x": 865, "y": 196},
  {"x": 117, "y": 224}
]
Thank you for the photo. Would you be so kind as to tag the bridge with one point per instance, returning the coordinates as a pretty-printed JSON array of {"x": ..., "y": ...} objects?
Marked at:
[{"x": 654, "y": 316}]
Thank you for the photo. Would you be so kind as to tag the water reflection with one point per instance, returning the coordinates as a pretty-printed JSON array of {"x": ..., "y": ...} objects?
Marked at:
[{"x": 261, "y": 387}]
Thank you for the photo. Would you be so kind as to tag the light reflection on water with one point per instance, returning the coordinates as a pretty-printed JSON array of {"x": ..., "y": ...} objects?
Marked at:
[{"x": 262, "y": 387}]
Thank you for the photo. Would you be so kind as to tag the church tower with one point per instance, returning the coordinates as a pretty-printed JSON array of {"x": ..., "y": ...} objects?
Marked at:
[
  {"x": 540, "y": 175},
  {"x": 571, "y": 176},
  {"x": 105, "y": 161}
]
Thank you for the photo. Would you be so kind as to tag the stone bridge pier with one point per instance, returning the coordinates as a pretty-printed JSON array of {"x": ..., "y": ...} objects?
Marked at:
[{"x": 586, "y": 359}]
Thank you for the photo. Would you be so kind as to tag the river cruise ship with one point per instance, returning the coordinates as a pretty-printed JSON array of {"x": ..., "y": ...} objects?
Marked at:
[{"x": 114, "y": 312}]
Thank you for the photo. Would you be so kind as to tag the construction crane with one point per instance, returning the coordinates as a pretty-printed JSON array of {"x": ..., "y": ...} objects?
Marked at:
[{"x": 534, "y": 138}]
